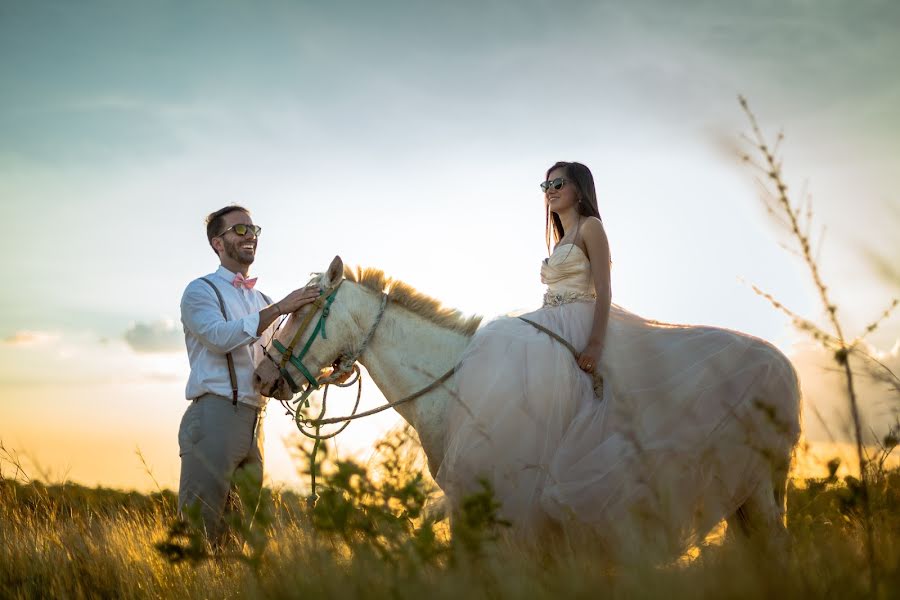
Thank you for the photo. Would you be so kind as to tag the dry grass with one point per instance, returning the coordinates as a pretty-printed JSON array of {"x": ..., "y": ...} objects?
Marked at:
[{"x": 67, "y": 541}]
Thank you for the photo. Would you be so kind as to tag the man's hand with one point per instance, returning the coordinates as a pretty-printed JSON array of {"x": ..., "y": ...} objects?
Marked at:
[
  {"x": 297, "y": 299},
  {"x": 290, "y": 303}
]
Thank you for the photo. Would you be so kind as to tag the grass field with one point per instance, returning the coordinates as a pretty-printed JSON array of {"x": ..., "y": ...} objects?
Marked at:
[{"x": 369, "y": 537}]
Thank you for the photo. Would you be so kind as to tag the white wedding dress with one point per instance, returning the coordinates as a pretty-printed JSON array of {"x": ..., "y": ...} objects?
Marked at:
[{"x": 685, "y": 432}]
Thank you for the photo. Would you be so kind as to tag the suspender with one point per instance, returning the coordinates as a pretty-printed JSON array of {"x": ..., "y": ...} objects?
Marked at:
[{"x": 231, "y": 374}]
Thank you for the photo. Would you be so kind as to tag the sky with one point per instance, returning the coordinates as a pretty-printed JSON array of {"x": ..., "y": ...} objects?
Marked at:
[{"x": 411, "y": 136}]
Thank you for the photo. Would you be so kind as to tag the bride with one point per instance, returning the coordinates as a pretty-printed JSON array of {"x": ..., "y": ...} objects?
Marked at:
[{"x": 648, "y": 436}]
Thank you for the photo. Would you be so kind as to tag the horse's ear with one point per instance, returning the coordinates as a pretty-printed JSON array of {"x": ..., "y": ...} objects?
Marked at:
[{"x": 335, "y": 272}]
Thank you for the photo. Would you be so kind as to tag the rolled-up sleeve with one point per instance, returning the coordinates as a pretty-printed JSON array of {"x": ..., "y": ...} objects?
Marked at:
[{"x": 201, "y": 315}]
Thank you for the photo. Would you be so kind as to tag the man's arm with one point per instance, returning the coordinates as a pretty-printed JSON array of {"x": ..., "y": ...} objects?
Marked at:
[
  {"x": 266, "y": 317},
  {"x": 202, "y": 316}
]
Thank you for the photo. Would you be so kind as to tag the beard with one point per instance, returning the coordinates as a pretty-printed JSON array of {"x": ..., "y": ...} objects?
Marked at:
[{"x": 234, "y": 251}]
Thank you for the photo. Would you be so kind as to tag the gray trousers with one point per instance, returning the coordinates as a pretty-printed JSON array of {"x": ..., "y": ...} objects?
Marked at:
[{"x": 219, "y": 444}]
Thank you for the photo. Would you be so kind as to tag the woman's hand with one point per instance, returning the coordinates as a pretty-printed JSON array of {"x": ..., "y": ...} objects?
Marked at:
[{"x": 589, "y": 357}]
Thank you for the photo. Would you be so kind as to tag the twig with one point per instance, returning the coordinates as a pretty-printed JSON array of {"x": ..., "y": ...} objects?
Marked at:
[
  {"x": 874, "y": 324},
  {"x": 13, "y": 459},
  {"x": 841, "y": 356},
  {"x": 147, "y": 469}
]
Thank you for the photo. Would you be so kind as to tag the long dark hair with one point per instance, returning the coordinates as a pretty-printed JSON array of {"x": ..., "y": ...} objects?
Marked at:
[{"x": 579, "y": 176}]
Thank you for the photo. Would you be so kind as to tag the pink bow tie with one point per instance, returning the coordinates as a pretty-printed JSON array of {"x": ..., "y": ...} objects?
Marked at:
[{"x": 241, "y": 281}]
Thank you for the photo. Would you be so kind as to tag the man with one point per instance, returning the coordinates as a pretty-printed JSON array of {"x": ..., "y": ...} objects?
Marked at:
[{"x": 221, "y": 438}]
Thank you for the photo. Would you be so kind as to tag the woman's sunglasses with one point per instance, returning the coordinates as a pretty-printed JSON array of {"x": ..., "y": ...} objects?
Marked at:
[
  {"x": 241, "y": 229},
  {"x": 555, "y": 184}
]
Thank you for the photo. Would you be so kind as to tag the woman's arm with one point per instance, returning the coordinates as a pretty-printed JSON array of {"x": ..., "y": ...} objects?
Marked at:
[{"x": 597, "y": 250}]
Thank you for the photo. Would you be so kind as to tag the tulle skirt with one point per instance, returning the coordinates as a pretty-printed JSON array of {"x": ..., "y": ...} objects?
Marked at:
[{"x": 691, "y": 420}]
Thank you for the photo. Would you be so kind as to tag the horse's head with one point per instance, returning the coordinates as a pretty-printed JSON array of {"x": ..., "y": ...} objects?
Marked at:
[{"x": 312, "y": 340}]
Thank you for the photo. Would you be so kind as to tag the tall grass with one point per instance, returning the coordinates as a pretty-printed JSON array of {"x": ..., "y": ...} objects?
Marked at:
[{"x": 369, "y": 536}]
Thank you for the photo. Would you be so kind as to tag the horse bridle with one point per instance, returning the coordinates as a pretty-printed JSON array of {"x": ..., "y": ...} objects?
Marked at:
[
  {"x": 346, "y": 363},
  {"x": 343, "y": 365}
]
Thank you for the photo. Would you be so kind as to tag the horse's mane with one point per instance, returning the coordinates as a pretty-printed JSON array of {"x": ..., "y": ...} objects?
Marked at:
[{"x": 413, "y": 300}]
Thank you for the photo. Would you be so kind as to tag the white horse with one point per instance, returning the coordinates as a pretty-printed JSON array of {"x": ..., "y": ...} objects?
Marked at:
[{"x": 407, "y": 341}]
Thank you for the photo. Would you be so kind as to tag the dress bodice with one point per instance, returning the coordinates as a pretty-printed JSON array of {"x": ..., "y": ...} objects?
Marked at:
[{"x": 567, "y": 274}]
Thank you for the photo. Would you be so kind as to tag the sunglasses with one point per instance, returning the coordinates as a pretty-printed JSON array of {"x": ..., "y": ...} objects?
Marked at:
[
  {"x": 242, "y": 229},
  {"x": 555, "y": 184}
]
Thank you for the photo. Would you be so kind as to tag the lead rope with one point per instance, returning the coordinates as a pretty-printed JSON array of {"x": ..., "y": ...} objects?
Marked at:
[
  {"x": 317, "y": 423},
  {"x": 319, "y": 438},
  {"x": 346, "y": 365},
  {"x": 352, "y": 417}
]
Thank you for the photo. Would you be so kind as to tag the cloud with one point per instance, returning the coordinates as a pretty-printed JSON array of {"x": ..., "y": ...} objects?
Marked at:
[
  {"x": 826, "y": 411},
  {"x": 155, "y": 337},
  {"x": 30, "y": 338},
  {"x": 160, "y": 377}
]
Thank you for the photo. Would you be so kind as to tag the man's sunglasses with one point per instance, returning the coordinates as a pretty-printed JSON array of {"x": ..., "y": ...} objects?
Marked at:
[
  {"x": 555, "y": 184},
  {"x": 241, "y": 229}
]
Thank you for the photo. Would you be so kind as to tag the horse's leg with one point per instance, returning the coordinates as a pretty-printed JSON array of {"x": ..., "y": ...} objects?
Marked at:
[{"x": 759, "y": 521}]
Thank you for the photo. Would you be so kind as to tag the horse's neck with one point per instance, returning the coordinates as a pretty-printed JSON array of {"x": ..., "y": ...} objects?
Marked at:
[{"x": 406, "y": 354}]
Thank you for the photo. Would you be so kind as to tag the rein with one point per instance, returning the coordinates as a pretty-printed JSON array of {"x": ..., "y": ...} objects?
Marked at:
[
  {"x": 312, "y": 427},
  {"x": 352, "y": 417},
  {"x": 347, "y": 364},
  {"x": 595, "y": 376}
]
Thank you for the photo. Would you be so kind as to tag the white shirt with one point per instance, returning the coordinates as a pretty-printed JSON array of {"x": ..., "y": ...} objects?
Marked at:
[{"x": 208, "y": 337}]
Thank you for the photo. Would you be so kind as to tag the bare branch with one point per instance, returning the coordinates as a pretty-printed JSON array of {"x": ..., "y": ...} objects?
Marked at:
[
  {"x": 841, "y": 356},
  {"x": 877, "y": 322},
  {"x": 802, "y": 323}
]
